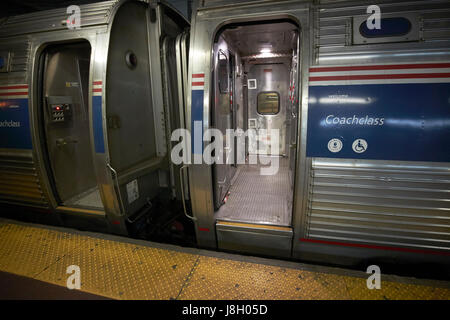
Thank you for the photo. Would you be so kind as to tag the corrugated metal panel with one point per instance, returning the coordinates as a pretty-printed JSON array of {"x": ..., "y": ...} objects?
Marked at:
[
  {"x": 19, "y": 182},
  {"x": 220, "y": 3},
  {"x": 20, "y": 54},
  {"x": 384, "y": 203},
  {"x": 51, "y": 20},
  {"x": 436, "y": 26},
  {"x": 333, "y": 33},
  {"x": 354, "y": 8}
]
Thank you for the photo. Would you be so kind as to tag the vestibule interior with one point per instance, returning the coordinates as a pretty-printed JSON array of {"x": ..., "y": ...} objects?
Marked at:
[
  {"x": 65, "y": 114},
  {"x": 255, "y": 87}
]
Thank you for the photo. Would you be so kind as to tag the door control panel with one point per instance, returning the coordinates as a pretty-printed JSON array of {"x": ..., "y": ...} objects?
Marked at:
[
  {"x": 61, "y": 112},
  {"x": 59, "y": 109}
]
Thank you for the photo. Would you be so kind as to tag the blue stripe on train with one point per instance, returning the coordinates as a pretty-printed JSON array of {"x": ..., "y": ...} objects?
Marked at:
[
  {"x": 97, "y": 122},
  {"x": 409, "y": 122},
  {"x": 15, "y": 132},
  {"x": 197, "y": 115}
]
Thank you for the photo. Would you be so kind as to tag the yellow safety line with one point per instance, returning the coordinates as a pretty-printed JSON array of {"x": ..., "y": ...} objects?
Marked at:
[
  {"x": 254, "y": 226},
  {"x": 128, "y": 271}
]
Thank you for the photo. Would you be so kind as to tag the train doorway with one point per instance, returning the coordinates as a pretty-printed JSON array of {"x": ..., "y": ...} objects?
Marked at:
[
  {"x": 65, "y": 122},
  {"x": 254, "y": 80}
]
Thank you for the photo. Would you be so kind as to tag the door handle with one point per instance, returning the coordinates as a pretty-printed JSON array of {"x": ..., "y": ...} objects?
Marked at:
[
  {"x": 182, "y": 193},
  {"x": 116, "y": 182}
]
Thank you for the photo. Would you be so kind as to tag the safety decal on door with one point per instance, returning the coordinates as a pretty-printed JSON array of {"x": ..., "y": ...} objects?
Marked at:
[{"x": 132, "y": 191}]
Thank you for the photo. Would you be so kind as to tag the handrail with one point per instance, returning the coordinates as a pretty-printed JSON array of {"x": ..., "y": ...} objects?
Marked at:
[
  {"x": 182, "y": 193},
  {"x": 116, "y": 180}
]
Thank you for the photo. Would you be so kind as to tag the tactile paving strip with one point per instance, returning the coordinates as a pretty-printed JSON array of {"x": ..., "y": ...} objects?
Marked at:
[
  {"x": 221, "y": 279},
  {"x": 28, "y": 251},
  {"x": 128, "y": 271},
  {"x": 123, "y": 270},
  {"x": 108, "y": 268}
]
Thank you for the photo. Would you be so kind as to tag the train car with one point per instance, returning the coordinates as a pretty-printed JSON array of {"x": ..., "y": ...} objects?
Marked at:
[
  {"x": 363, "y": 117},
  {"x": 335, "y": 132},
  {"x": 84, "y": 117}
]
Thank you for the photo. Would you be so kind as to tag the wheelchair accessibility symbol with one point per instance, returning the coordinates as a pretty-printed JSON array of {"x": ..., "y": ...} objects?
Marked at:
[{"x": 359, "y": 145}]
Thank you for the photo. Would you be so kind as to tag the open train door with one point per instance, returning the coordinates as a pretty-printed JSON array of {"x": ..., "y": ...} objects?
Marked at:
[
  {"x": 65, "y": 122},
  {"x": 222, "y": 118},
  {"x": 143, "y": 106},
  {"x": 236, "y": 207}
]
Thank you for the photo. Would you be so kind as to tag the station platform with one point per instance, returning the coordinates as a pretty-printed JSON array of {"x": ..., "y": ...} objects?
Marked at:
[{"x": 34, "y": 257}]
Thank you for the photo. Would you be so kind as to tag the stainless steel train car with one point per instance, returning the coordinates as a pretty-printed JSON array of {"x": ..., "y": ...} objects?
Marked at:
[
  {"x": 364, "y": 121},
  {"x": 362, "y": 115},
  {"x": 84, "y": 125}
]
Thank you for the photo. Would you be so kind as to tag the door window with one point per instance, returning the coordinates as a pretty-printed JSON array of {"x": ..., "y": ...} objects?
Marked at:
[{"x": 268, "y": 103}]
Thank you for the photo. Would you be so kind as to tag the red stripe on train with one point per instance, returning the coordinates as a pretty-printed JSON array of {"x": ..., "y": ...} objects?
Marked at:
[
  {"x": 382, "y": 76},
  {"x": 384, "y": 67},
  {"x": 14, "y": 87},
  {"x": 198, "y": 75},
  {"x": 198, "y": 83},
  {"x": 97, "y": 90},
  {"x": 97, "y": 82},
  {"x": 370, "y": 246}
]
